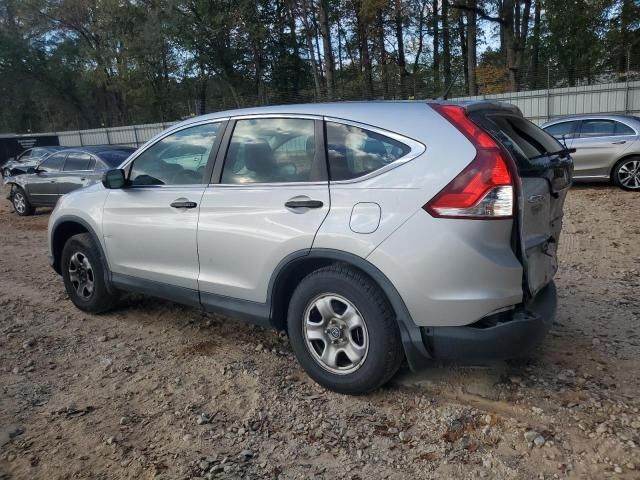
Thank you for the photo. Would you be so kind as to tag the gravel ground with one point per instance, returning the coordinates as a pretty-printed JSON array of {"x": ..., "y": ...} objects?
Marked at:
[{"x": 156, "y": 390}]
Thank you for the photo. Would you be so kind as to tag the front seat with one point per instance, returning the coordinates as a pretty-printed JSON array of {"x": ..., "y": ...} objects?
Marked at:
[{"x": 260, "y": 160}]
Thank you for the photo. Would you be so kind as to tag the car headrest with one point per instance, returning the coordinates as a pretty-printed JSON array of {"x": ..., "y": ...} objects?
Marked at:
[{"x": 259, "y": 156}]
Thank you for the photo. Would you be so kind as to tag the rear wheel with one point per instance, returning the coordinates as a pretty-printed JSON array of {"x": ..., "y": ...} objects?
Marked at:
[
  {"x": 21, "y": 203},
  {"x": 343, "y": 330},
  {"x": 84, "y": 275},
  {"x": 626, "y": 173}
]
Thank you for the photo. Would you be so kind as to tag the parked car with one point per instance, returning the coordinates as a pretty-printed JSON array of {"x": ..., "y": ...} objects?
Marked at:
[
  {"x": 370, "y": 232},
  {"x": 30, "y": 158},
  {"x": 607, "y": 148},
  {"x": 61, "y": 173}
]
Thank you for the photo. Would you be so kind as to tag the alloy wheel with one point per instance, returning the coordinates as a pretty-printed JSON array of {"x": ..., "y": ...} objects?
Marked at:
[
  {"x": 629, "y": 174},
  {"x": 19, "y": 202},
  {"x": 81, "y": 275},
  {"x": 335, "y": 334}
]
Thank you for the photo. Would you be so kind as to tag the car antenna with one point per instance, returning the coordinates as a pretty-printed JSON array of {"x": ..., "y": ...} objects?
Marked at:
[{"x": 446, "y": 92}]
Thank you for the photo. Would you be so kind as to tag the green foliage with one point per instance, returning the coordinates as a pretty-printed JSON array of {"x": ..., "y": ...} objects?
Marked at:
[{"x": 67, "y": 64}]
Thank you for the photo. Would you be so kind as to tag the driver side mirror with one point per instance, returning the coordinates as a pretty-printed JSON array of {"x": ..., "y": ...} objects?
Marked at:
[{"x": 114, "y": 179}]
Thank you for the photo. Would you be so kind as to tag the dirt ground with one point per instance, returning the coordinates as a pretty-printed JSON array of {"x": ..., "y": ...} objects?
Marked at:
[{"x": 157, "y": 390}]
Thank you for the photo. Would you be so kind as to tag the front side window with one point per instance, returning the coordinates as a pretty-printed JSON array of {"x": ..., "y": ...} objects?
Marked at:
[
  {"x": 354, "y": 152},
  {"x": 53, "y": 164},
  {"x": 272, "y": 150},
  {"x": 178, "y": 159},
  {"x": 558, "y": 130},
  {"x": 77, "y": 161}
]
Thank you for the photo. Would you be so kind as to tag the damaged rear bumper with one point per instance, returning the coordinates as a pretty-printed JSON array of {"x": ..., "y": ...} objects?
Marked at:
[{"x": 502, "y": 336}]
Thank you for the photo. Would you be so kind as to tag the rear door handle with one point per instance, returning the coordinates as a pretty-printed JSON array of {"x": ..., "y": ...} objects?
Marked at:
[
  {"x": 621, "y": 142},
  {"x": 184, "y": 204},
  {"x": 304, "y": 204}
]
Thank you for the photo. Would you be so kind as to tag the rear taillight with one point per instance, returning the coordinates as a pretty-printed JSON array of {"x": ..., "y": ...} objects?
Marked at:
[{"x": 484, "y": 189}]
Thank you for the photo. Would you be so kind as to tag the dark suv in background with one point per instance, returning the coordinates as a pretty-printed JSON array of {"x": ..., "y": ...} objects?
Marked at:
[{"x": 63, "y": 172}]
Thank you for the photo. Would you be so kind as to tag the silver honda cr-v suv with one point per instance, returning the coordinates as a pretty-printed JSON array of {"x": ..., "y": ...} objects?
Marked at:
[{"x": 371, "y": 232}]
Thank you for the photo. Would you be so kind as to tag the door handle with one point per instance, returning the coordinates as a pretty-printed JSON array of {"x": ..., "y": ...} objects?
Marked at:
[
  {"x": 52, "y": 181},
  {"x": 184, "y": 204},
  {"x": 304, "y": 204},
  {"x": 621, "y": 142}
]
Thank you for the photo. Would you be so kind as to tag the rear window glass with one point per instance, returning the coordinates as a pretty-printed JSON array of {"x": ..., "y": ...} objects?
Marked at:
[
  {"x": 354, "y": 152},
  {"x": 113, "y": 158},
  {"x": 526, "y": 142}
]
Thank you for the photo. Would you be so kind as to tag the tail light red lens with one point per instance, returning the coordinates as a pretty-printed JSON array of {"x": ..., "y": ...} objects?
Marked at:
[{"x": 484, "y": 189}]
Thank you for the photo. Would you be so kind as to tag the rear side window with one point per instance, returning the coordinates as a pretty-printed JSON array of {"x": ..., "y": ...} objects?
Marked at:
[
  {"x": 354, "y": 152},
  {"x": 524, "y": 140},
  {"x": 53, "y": 164},
  {"x": 622, "y": 129},
  {"x": 77, "y": 161},
  {"x": 272, "y": 150},
  {"x": 597, "y": 128},
  {"x": 563, "y": 128}
]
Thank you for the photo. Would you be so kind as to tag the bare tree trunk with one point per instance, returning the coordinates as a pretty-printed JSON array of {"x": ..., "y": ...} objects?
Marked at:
[
  {"x": 402, "y": 61},
  {"x": 510, "y": 42},
  {"x": 363, "y": 47},
  {"x": 463, "y": 46},
  {"x": 535, "y": 47},
  {"x": 436, "y": 45},
  {"x": 329, "y": 63},
  {"x": 446, "y": 44},
  {"x": 312, "y": 55},
  {"x": 383, "y": 55},
  {"x": 471, "y": 47}
]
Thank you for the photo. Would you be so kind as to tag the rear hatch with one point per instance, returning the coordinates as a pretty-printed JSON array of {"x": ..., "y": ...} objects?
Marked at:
[{"x": 545, "y": 170}]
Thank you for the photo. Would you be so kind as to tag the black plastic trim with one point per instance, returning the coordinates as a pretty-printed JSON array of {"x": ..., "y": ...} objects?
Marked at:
[
  {"x": 185, "y": 296},
  {"x": 524, "y": 330},
  {"x": 251, "y": 312}
]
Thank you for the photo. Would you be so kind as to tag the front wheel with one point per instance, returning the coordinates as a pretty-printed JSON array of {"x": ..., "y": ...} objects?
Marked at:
[
  {"x": 343, "y": 330},
  {"x": 626, "y": 173},
  {"x": 83, "y": 273},
  {"x": 21, "y": 203}
]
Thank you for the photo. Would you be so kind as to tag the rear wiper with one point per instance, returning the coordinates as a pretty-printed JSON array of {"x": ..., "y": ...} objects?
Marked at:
[{"x": 562, "y": 153}]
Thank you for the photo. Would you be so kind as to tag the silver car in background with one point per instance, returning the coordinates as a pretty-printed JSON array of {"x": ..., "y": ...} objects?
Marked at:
[{"x": 606, "y": 147}]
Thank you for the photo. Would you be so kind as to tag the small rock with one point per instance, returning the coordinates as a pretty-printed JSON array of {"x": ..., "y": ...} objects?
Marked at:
[
  {"x": 203, "y": 465},
  {"x": 602, "y": 428},
  {"x": 617, "y": 469},
  {"x": 246, "y": 454},
  {"x": 187, "y": 438},
  {"x": 595, "y": 341},
  {"x": 241, "y": 431},
  {"x": 29, "y": 343},
  {"x": 111, "y": 440},
  {"x": 530, "y": 435},
  {"x": 630, "y": 466},
  {"x": 124, "y": 421},
  {"x": 539, "y": 441}
]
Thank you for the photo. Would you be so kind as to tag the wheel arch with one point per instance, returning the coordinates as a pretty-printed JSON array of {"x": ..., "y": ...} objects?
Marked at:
[
  {"x": 617, "y": 162},
  {"x": 66, "y": 227},
  {"x": 296, "y": 266}
]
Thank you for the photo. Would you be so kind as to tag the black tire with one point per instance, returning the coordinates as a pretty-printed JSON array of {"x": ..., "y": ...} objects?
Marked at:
[
  {"x": 384, "y": 354},
  {"x": 21, "y": 203},
  {"x": 99, "y": 299},
  {"x": 634, "y": 184}
]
